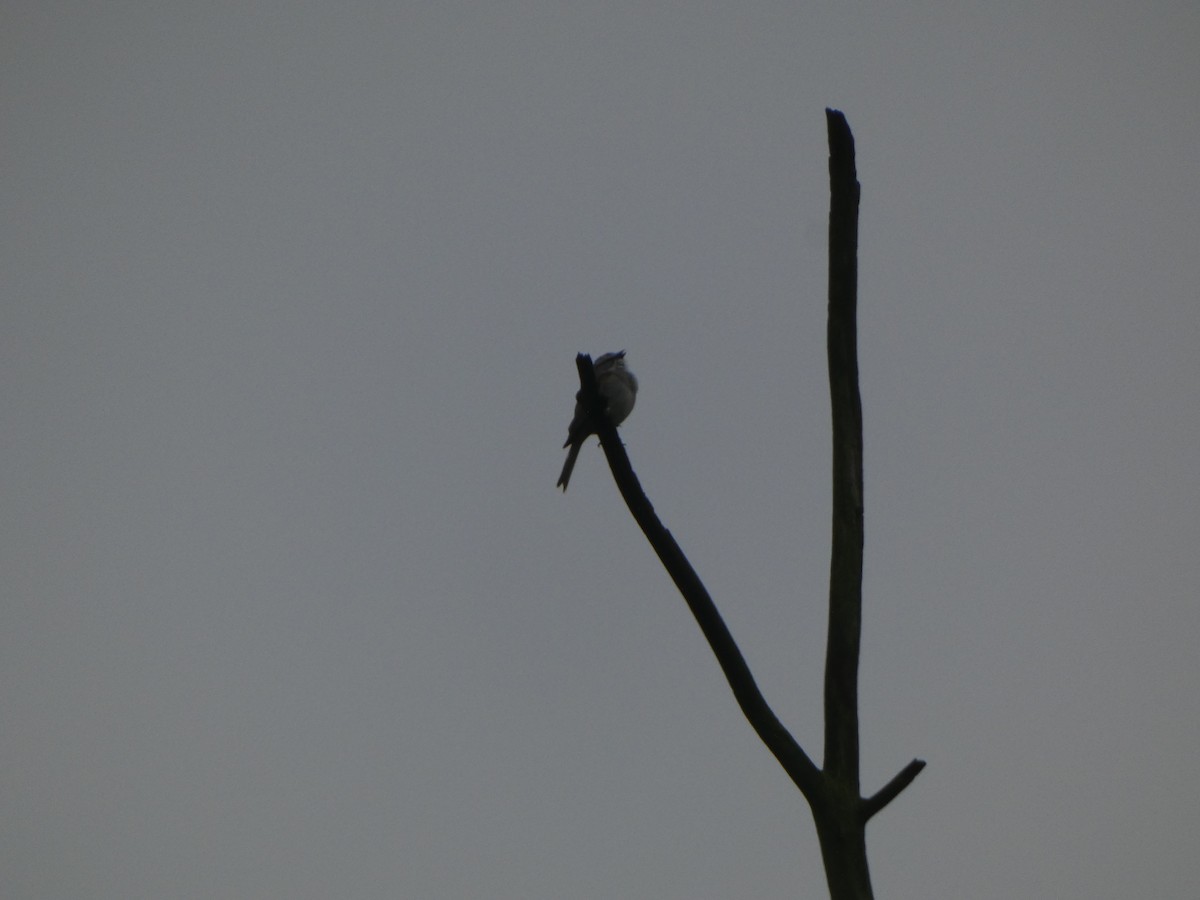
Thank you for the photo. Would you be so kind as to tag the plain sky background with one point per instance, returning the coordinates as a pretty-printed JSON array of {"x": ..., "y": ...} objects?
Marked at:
[{"x": 291, "y": 296}]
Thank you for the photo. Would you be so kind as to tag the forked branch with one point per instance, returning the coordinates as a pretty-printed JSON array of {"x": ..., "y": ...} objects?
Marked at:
[{"x": 832, "y": 792}]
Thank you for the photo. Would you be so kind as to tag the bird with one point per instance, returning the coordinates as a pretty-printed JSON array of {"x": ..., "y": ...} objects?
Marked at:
[{"x": 618, "y": 387}]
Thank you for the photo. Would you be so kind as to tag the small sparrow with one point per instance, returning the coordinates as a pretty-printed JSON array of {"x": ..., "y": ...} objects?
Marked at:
[{"x": 618, "y": 387}]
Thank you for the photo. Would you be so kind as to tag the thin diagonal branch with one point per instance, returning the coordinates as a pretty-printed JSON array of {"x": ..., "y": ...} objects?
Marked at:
[
  {"x": 766, "y": 724},
  {"x": 892, "y": 789}
]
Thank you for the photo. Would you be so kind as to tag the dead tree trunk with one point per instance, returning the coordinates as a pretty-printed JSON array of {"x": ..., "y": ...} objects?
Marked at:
[{"x": 832, "y": 791}]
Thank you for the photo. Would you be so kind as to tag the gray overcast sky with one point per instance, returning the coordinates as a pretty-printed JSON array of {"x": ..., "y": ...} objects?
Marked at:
[{"x": 291, "y": 294}]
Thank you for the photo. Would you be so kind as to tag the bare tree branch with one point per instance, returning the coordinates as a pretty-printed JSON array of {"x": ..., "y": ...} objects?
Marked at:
[
  {"x": 892, "y": 789},
  {"x": 840, "y": 813},
  {"x": 845, "y": 573},
  {"x": 766, "y": 724}
]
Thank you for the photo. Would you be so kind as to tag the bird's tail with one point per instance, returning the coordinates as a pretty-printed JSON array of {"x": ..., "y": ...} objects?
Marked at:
[{"x": 568, "y": 466}]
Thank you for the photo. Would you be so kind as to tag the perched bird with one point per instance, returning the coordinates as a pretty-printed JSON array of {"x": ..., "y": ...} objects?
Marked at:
[{"x": 618, "y": 387}]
